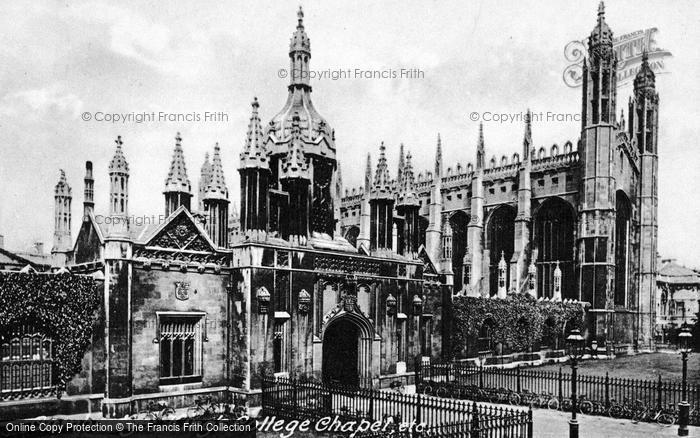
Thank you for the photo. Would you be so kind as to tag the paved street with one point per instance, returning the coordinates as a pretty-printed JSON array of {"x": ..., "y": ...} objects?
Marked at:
[{"x": 554, "y": 424}]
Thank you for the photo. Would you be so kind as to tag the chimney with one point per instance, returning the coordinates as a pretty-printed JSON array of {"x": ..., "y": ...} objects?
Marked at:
[
  {"x": 88, "y": 193},
  {"x": 39, "y": 248}
]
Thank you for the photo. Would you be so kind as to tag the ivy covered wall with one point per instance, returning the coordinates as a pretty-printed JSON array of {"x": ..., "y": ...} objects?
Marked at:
[{"x": 518, "y": 322}]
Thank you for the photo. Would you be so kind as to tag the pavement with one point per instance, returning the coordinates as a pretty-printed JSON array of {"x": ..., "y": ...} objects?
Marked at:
[{"x": 555, "y": 424}]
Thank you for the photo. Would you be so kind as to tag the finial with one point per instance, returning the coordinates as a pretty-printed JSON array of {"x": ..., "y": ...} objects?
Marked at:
[
  {"x": 382, "y": 148},
  {"x": 63, "y": 174},
  {"x": 481, "y": 135},
  {"x": 178, "y": 139},
  {"x": 601, "y": 8},
  {"x": 300, "y": 16},
  {"x": 255, "y": 103},
  {"x": 645, "y": 56},
  {"x": 216, "y": 147},
  {"x": 118, "y": 141}
]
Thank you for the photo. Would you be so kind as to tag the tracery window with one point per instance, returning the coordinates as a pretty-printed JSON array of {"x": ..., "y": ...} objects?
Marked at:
[
  {"x": 26, "y": 362},
  {"x": 181, "y": 339}
]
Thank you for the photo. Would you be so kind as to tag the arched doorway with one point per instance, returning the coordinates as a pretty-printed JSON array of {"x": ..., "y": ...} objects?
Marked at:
[{"x": 340, "y": 353}]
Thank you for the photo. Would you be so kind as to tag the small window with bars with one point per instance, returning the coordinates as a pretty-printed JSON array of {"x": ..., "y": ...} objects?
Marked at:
[{"x": 180, "y": 338}]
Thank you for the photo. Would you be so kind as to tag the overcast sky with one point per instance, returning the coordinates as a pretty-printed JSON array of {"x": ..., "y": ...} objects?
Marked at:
[{"x": 61, "y": 59}]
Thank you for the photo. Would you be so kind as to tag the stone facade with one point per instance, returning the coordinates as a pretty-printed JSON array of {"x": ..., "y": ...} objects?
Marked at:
[
  {"x": 354, "y": 288},
  {"x": 582, "y": 214}
]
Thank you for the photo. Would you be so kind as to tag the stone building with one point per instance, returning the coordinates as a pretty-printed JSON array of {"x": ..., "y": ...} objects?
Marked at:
[
  {"x": 354, "y": 288},
  {"x": 576, "y": 221},
  {"x": 678, "y": 296},
  {"x": 210, "y": 298}
]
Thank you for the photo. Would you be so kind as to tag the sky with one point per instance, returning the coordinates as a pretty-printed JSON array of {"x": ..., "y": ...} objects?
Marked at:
[{"x": 61, "y": 60}]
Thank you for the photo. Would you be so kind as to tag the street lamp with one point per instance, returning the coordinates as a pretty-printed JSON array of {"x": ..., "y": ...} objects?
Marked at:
[
  {"x": 684, "y": 407},
  {"x": 575, "y": 347}
]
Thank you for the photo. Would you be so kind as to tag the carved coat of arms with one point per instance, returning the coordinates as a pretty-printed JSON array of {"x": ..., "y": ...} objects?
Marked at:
[{"x": 182, "y": 290}]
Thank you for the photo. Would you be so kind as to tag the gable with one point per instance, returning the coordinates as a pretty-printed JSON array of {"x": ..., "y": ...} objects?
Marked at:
[
  {"x": 181, "y": 233},
  {"x": 88, "y": 244},
  {"x": 428, "y": 265}
]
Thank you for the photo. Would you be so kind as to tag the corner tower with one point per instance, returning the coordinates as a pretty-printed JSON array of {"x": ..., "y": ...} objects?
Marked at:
[
  {"x": 643, "y": 130},
  {"x": 596, "y": 213}
]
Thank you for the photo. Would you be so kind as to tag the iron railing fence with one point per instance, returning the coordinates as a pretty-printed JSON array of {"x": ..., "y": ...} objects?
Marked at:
[
  {"x": 301, "y": 400},
  {"x": 605, "y": 395}
]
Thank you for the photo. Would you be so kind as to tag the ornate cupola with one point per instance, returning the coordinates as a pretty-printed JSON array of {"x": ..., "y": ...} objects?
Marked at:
[
  {"x": 178, "y": 190},
  {"x": 216, "y": 202},
  {"x": 299, "y": 126},
  {"x": 255, "y": 179},
  {"x": 381, "y": 205}
]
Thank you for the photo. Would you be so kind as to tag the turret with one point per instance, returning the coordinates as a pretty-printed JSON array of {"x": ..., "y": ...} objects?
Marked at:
[
  {"x": 521, "y": 248},
  {"x": 475, "y": 228},
  {"x": 216, "y": 202},
  {"x": 644, "y": 120},
  {"x": 118, "y": 228},
  {"x": 204, "y": 179},
  {"x": 381, "y": 205},
  {"x": 62, "y": 221},
  {"x": 178, "y": 190},
  {"x": 596, "y": 210},
  {"x": 254, "y": 171},
  {"x": 408, "y": 206},
  {"x": 296, "y": 179},
  {"x": 599, "y": 75},
  {"x": 434, "y": 230},
  {"x": 89, "y": 191},
  {"x": 363, "y": 238}
]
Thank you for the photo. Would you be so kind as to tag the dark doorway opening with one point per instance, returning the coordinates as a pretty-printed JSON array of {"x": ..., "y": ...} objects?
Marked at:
[{"x": 340, "y": 346}]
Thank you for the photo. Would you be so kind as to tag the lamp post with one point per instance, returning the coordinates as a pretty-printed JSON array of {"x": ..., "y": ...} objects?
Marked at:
[
  {"x": 575, "y": 346},
  {"x": 684, "y": 407}
]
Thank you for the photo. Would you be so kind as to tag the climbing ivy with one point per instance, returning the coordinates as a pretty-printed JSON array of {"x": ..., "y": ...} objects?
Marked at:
[
  {"x": 518, "y": 321},
  {"x": 63, "y": 307}
]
